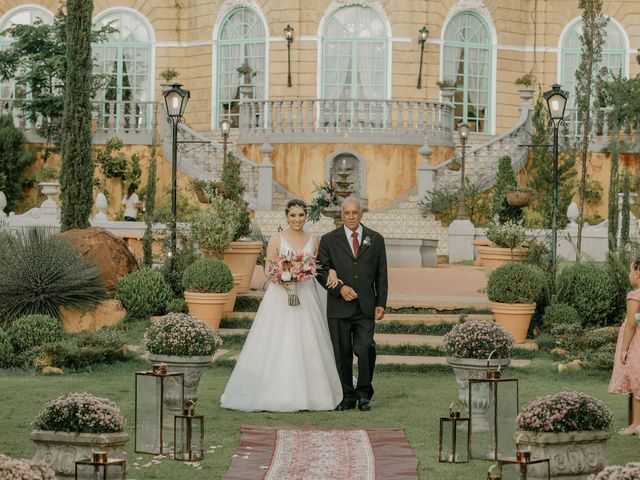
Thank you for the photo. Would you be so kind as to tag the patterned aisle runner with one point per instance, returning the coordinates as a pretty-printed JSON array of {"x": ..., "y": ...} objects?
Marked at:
[{"x": 321, "y": 454}]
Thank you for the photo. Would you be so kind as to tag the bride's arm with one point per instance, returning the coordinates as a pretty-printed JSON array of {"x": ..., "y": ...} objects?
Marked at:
[{"x": 273, "y": 248}]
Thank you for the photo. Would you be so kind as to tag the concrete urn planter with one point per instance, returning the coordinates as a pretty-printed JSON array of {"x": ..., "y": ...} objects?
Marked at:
[
  {"x": 573, "y": 455},
  {"x": 60, "y": 450},
  {"x": 192, "y": 367}
]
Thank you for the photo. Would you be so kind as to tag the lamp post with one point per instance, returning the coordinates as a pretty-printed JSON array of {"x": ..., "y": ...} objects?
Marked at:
[
  {"x": 556, "y": 102},
  {"x": 423, "y": 33},
  {"x": 225, "y": 128},
  {"x": 288, "y": 34},
  {"x": 463, "y": 131},
  {"x": 175, "y": 101}
]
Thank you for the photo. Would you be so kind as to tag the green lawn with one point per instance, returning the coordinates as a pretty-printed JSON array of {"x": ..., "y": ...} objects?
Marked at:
[{"x": 410, "y": 399}]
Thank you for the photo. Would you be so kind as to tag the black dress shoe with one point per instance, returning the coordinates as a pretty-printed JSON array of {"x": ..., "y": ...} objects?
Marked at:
[
  {"x": 344, "y": 405},
  {"x": 364, "y": 405}
]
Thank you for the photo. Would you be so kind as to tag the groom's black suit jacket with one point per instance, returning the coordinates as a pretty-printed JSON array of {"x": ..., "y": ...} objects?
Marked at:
[{"x": 366, "y": 274}]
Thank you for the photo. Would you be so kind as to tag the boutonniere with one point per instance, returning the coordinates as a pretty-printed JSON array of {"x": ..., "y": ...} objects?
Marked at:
[{"x": 367, "y": 241}]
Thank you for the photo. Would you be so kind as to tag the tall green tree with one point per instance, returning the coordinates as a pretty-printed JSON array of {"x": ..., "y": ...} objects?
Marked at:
[
  {"x": 76, "y": 178},
  {"x": 541, "y": 170},
  {"x": 592, "y": 38},
  {"x": 150, "y": 205},
  {"x": 13, "y": 159},
  {"x": 505, "y": 181},
  {"x": 625, "y": 215}
]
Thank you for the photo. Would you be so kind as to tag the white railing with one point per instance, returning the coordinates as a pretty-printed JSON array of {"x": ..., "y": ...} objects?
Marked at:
[{"x": 328, "y": 120}]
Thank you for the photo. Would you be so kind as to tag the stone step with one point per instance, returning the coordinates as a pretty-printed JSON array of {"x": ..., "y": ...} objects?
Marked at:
[{"x": 405, "y": 318}]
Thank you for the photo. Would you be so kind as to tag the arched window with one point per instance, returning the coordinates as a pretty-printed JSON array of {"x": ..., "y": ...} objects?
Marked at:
[
  {"x": 467, "y": 58},
  {"x": 20, "y": 16},
  {"x": 125, "y": 59},
  {"x": 613, "y": 55},
  {"x": 241, "y": 45},
  {"x": 355, "y": 49}
]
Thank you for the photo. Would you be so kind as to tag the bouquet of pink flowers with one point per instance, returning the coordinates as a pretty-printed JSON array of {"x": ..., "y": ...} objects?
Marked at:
[{"x": 290, "y": 269}]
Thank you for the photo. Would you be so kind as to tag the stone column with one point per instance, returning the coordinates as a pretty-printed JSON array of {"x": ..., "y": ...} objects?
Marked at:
[
  {"x": 265, "y": 179},
  {"x": 461, "y": 233}
]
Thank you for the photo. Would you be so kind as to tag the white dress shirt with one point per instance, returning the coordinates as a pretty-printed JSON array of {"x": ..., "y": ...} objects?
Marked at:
[{"x": 348, "y": 233}]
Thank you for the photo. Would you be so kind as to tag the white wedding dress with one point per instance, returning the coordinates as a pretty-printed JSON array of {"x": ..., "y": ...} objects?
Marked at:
[{"x": 287, "y": 362}]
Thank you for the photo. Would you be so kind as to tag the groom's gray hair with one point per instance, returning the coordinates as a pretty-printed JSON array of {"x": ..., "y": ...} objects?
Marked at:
[{"x": 351, "y": 199}]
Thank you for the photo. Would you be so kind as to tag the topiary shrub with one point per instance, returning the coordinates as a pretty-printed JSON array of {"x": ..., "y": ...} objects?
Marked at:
[
  {"x": 559, "y": 313},
  {"x": 516, "y": 283},
  {"x": 588, "y": 288},
  {"x": 177, "y": 305},
  {"x": 207, "y": 276},
  {"x": 33, "y": 331},
  {"x": 40, "y": 272},
  {"x": 144, "y": 293},
  {"x": 6, "y": 351}
]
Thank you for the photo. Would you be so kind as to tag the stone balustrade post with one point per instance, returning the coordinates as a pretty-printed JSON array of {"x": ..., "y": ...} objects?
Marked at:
[
  {"x": 425, "y": 172},
  {"x": 3, "y": 204},
  {"x": 265, "y": 179}
]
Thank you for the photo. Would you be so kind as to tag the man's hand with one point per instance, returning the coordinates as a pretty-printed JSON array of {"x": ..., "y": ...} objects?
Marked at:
[
  {"x": 379, "y": 313},
  {"x": 348, "y": 293}
]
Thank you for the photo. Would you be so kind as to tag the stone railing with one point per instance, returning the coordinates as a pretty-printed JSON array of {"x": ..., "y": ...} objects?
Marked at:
[
  {"x": 132, "y": 122},
  {"x": 601, "y": 129},
  {"x": 358, "y": 121},
  {"x": 481, "y": 162}
]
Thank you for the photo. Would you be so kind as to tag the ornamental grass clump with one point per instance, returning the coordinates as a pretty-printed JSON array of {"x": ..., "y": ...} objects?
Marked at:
[
  {"x": 80, "y": 413},
  {"x": 181, "y": 334},
  {"x": 477, "y": 339},
  {"x": 565, "y": 412},
  {"x": 23, "y": 469}
]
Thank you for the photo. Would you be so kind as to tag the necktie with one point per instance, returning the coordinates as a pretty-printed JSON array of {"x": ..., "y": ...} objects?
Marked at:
[{"x": 354, "y": 241}]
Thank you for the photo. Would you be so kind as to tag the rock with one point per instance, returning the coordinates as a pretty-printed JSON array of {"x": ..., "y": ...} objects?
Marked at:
[
  {"x": 572, "y": 365},
  {"x": 109, "y": 252},
  {"x": 52, "y": 371},
  {"x": 107, "y": 313},
  {"x": 559, "y": 351}
]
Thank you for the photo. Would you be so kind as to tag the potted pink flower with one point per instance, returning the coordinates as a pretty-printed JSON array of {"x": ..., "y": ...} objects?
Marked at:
[{"x": 21, "y": 469}]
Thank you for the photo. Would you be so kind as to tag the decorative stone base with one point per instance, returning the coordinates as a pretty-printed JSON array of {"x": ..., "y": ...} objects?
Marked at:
[
  {"x": 60, "y": 450},
  {"x": 108, "y": 313},
  {"x": 411, "y": 253},
  {"x": 192, "y": 367}
]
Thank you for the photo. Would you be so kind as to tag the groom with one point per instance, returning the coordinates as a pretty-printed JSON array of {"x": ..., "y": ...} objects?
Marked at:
[{"x": 358, "y": 256}]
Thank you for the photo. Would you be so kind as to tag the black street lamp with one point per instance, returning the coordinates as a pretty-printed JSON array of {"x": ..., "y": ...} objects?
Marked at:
[
  {"x": 423, "y": 34},
  {"x": 288, "y": 34},
  {"x": 556, "y": 102},
  {"x": 225, "y": 128},
  {"x": 463, "y": 131},
  {"x": 175, "y": 101}
]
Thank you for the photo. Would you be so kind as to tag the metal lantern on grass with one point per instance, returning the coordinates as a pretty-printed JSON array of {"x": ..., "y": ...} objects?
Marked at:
[
  {"x": 188, "y": 435},
  {"x": 493, "y": 407},
  {"x": 453, "y": 446},
  {"x": 99, "y": 467},
  {"x": 523, "y": 468},
  {"x": 159, "y": 396}
]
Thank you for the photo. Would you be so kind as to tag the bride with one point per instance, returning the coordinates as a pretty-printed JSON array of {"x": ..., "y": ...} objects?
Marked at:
[{"x": 287, "y": 362}]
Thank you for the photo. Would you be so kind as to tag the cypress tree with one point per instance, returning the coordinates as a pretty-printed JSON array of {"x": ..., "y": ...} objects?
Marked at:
[
  {"x": 626, "y": 214},
  {"x": 76, "y": 177},
  {"x": 505, "y": 181},
  {"x": 150, "y": 205}
]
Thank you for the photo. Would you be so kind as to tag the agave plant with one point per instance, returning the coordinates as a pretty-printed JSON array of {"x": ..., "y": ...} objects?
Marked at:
[{"x": 40, "y": 272}]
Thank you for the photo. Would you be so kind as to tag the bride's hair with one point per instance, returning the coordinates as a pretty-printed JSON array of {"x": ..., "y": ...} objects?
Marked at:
[{"x": 296, "y": 202}]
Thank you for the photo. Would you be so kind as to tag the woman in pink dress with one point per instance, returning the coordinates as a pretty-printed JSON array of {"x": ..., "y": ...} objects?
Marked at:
[{"x": 625, "y": 377}]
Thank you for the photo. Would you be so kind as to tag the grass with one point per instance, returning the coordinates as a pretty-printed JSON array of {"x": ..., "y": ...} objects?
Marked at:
[{"x": 410, "y": 399}]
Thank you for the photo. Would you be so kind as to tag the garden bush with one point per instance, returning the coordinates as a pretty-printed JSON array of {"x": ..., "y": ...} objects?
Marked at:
[
  {"x": 177, "y": 305},
  {"x": 588, "y": 288},
  {"x": 568, "y": 335},
  {"x": 601, "y": 358},
  {"x": 40, "y": 272},
  {"x": 207, "y": 276},
  {"x": 516, "y": 283},
  {"x": 33, "y": 331},
  {"x": 601, "y": 337},
  {"x": 173, "y": 267},
  {"x": 6, "y": 351},
  {"x": 559, "y": 313},
  {"x": 144, "y": 293}
]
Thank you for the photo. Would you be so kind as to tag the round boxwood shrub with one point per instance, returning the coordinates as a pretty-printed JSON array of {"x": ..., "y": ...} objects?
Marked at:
[
  {"x": 588, "y": 288},
  {"x": 144, "y": 293},
  {"x": 516, "y": 283},
  {"x": 207, "y": 276},
  {"x": 33, "y": 331},
  {"x": 177, "y": 305},
  {"x": 6, "y": 351},
  {"x": 559, "y": 313}
]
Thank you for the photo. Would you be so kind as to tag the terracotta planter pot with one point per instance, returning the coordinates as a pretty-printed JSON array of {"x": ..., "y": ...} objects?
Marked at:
[
  {"x": 206, "y": 306},
  {"x": 202, "y": 197},
  {"x": 493, "y": 257},
  {"x": 231, "y": 301},
  {"x": 573, "y": 455},
  {"x": 241, "y": 258},
  {"x": 60, "y": 450},
  {"x": 517, "y": 198},
  {"x": 514, "y": 317},
  {"x": 476, "y": 245}
]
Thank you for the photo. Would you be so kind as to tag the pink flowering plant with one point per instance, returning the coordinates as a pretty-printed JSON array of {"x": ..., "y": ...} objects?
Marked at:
[
  {"x": 80, "y": 413},
  {"x": 564, "y": 412},
  {"x": 323, "y": 196},
  {"x": 22, "y": 469},
  {"x": 181, "y": 334},
  {"x": 477, "y": 339},
  {"x": 291, "y": 268},
  {"x": 629, "y": 471}
]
